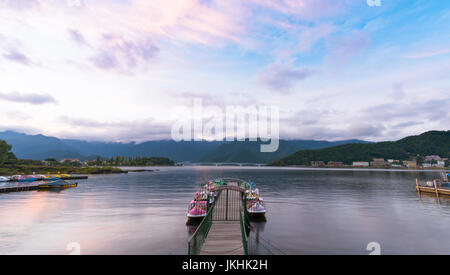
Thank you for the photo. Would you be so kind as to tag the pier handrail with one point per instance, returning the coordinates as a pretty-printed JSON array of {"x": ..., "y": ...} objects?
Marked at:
[
  {"x": 243, "y": 233},
  {"x": 197, "y": 239}
]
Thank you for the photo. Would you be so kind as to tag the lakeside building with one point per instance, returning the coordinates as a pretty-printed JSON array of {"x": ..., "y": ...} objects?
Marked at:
[
  {"x": 410, "y": 163},
  {"x": 335, "y": 164},
  {"x": 378, "y": 162},
  {"x": 361, "y": 164},
  {"x": 317, "y": 163}
]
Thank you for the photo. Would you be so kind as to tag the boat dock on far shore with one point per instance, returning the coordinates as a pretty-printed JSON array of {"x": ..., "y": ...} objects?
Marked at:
[
  {"x": 31, "y": 186},
  {"x": 78, "y": 177},
  {"x": 438, "y": 187}
]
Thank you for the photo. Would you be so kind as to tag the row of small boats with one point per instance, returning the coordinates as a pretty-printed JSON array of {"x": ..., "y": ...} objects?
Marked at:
[
  {"x": 49, "y": 181},
  {"x": 34, "y": 177},
  {"x": 206, "y": 195}
]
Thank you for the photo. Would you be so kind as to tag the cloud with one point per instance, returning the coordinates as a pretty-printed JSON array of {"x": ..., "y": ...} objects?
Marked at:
[
  {"x": 365, "y": 130},
  {"x": 17, "y": 56},
  {"x": 31, "y": 98},
  {"x": 346, "y": 46},
  {"x": 432, "y": 110},
  {"x": 76, "y": 36},
  {"x": 430, "y": 53},
  {"x": 134, "y": 130},
  {"x": 309, "y": 36},
  {"x": 281, "y": 77},
  {"x": 20, "y": 4},
  {"x": 407, "y": 124},
  {"x": 119, "y": 53},
  {"x": 305, "y": 9}
]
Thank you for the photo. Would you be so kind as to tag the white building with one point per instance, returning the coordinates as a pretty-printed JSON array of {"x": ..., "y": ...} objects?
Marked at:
[{"x": 361, "y": 164}]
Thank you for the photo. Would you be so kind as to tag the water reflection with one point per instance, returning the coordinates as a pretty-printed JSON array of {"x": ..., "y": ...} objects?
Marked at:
[{"x": 309, "y": 212}]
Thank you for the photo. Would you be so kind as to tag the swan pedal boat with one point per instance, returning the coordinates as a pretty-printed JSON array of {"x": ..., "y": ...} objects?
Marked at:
[{"x": 197, "y": 209}]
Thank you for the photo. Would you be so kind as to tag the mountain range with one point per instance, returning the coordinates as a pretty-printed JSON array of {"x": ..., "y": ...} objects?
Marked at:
[{"x": 40, "y": 147}]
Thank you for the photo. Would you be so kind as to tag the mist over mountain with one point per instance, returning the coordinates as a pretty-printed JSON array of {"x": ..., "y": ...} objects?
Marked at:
[{"x": 40, "y": 147}]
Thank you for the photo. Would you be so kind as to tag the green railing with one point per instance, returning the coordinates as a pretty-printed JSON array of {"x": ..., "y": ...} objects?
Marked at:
[
  {"x": 197, "y": 239},
  {"x": 244, "y": 234}
]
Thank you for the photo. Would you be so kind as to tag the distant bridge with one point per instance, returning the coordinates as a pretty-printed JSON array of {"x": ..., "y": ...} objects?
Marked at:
[{"x": 222, "y": 164}]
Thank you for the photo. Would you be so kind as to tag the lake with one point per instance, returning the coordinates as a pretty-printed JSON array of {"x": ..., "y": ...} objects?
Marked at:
[{"x": 310, "y": 211}]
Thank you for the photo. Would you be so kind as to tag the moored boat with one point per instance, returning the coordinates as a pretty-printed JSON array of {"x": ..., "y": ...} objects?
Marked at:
[
  {"x": 57, "y": 184},
  {"x": 255, "y": 204},
  {"x": 26, "y": 178},
  {"x": 197, "y": 210}
]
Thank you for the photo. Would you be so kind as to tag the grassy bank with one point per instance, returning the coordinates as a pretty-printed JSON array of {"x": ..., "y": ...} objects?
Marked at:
[{"x": 15, "y": 169}]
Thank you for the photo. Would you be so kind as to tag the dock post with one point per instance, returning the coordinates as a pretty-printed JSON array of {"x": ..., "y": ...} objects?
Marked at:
[{"x": 436, "y": 190}]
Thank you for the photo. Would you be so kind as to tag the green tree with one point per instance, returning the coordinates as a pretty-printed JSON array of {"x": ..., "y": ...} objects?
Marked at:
[{"x": 5, "y": 153}]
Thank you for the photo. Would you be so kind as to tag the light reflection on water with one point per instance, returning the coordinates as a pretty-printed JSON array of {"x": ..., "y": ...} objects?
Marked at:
[{"x": 309, "y": 212}]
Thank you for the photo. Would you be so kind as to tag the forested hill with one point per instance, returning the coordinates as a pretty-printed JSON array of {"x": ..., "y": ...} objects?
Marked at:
[{"x": 428, "y": 143}]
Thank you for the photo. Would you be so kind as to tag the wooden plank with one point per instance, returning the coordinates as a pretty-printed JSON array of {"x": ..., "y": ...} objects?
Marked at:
[
  {"x": 17, "y": 188},
  {"x": 223, "y": 239},
  {"x": 441, "y": 191}
]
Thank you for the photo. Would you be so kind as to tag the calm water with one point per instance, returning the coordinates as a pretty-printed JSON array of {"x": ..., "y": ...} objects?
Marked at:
[{"x": 309, "y": 212}]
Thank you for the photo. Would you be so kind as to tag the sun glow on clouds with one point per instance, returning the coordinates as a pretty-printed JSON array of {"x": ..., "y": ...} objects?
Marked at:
[{"x": 103, "y": 69}]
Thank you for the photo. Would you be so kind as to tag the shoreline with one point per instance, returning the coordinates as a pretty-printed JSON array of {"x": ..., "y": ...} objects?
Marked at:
[
  {"x": 10, "y": 170},
  {"x": 447, "y": 170}
]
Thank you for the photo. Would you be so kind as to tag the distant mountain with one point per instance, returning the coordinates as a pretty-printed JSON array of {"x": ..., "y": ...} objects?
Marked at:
[
  {"x": 249, "y": 152},
  {"x": 177, "y": 151},
  {"x": 40, "y": 147},
  {"x": 428, "y": 143}
]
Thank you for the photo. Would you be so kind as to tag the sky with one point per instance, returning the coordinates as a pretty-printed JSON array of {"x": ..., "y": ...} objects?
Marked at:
[{"x": 114, "y": 70}]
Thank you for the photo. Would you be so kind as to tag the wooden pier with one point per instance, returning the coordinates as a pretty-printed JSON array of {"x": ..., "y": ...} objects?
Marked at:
[
  {"x": 222, "y": 231},
  {"x": 434, "y": 189},
  {"x": 28, "y": 187},
  {"x": 224, "y": 236}
]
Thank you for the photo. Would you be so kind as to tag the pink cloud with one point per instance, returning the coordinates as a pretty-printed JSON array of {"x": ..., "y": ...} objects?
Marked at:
[
  {"x": 305, "y": 9},
  {"x": 281, "y": 77},
  {"x": 120, "y": 53},
  {"x": 428, "y": 54}
]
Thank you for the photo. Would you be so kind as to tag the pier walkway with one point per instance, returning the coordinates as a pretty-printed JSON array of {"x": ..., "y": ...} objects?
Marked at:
[{"x": 223, "y": 230}]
